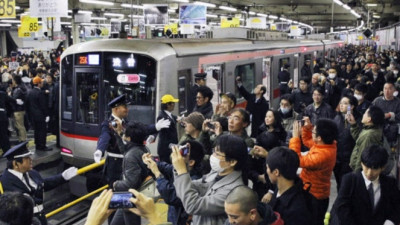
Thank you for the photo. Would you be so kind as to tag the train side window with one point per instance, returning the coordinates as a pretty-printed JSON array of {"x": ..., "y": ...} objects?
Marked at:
[
  {"x": 87, "y": 97},
  {"x": 248, "y": 76},
  {"x": 66, "y": 89}
]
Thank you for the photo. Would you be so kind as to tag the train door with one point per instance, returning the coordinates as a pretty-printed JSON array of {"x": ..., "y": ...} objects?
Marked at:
[
  {"x": 276, "y": 67},
  {"x": 184, "y": 84}
]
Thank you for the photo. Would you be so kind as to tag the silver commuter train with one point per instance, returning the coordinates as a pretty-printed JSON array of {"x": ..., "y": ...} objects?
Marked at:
[{"x": 93, "y": 73}]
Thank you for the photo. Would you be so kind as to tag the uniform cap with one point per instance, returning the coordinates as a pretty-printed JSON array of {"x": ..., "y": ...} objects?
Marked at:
[
  {"x": 18, "y": 151},
  {"x": 120, "y": 100},
  {"x": 200, "y": 75},
  {"x": 37, "y": 80},
  {"x": 229, "y": 95},
  {"x": 286, "y": 66},
  {"x": 168, "y": 98}
]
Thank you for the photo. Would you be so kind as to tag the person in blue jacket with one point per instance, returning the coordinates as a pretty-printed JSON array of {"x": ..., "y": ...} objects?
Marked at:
[{"x": 165, "y": 178}]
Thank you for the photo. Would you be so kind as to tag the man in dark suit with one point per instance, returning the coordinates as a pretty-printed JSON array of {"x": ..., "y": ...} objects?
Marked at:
[
  {"x": 36, "y": 107},
  {"x": 257, "y": 105},
  {"x": 168, "y": 135},
  {"x": 283, "y": 79},
  {"x": 199, "y": 80},
  {"x": 368, "y": 197},
  {"x": 5, "y": 101},
  {"x": 20, "y": 177}
]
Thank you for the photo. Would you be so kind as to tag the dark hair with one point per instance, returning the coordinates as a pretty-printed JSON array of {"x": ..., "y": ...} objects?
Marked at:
[
  {"x": 164, "y": 106},
  {"x": 223, "y": 121},
  {"x": 305, "y": 79},
  {"x": 244, "y": 196},
  {"x": 196, "y": 151},
  {"x": 277, "y": 120},
  {"x": 39, "y": 70},
  {"x": 361, "y": 87},
  {"x": 244, "y": 113},
  {"x": 285, "y": 160},
  {"x": 374, "y": 156},
  {"x": 10, "y": 162},
  {"x": 17, "y": 79},
  {"x": 263, "y": 89},
  {"x": 353, "y": 101},
  {"x": 16, "y": 208},
  {"x": 327, "y": 130},
  {"x": 377, "y": 115},
  {"x": 206, "y": 92},
  {"x": 287, "y": 97},
  {"x": 234, "y": 148},
  {"x": 319, "y": 90},
  {"x": 353, "y": 83},
  {"x": 137, "y": 131}
]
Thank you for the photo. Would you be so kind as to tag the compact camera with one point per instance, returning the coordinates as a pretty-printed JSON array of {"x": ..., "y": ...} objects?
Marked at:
[
  {"x": 210, "y": 125},
  {"x": 121, "y": 200},
  {"x": 114, "y": 124}
]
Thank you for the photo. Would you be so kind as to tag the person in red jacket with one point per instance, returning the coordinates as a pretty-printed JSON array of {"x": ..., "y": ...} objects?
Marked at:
[{"x": 319, "y": 162}]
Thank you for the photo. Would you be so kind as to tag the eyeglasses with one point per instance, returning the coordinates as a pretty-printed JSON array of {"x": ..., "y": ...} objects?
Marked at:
[{"x": 199, "y": 97}]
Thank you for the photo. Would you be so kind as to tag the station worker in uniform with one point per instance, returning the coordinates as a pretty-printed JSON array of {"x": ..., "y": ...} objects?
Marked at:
[
  {"x": 199, "y": 80},
  {"x": 108, "y": 138},
  {"x": 20, "y": 177},
  {"x": 169, "y": 135},
  {"x": 283, "y": 79}
]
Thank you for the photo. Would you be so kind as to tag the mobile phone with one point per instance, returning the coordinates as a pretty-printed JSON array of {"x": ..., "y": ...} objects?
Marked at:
[
  {"x": 121, "y": 200},
  {"x": 348, "y": 110},
  {"x": 184, "y": 150},
  {"x": 302, "y": 122},
  {"x": 210, "y": 125}
]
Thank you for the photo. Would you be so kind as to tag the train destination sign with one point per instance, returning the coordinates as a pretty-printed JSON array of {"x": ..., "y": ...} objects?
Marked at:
[{"x": 128, "y": 78}]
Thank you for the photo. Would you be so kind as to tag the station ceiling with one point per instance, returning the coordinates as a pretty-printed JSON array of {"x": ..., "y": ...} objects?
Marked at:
[{"x": 321, "y": 14}]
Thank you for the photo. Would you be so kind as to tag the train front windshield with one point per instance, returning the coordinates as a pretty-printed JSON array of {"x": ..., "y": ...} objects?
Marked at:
[{"x": 90, "y": 80}]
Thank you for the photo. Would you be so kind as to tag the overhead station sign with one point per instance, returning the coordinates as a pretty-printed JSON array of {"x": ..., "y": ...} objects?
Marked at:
[
  {"x": 7, "y": 9},
  {"x": 48, "y": 8}
]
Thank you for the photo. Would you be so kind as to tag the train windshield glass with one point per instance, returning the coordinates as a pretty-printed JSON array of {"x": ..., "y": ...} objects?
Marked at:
[{"x": 135, "y": 76}]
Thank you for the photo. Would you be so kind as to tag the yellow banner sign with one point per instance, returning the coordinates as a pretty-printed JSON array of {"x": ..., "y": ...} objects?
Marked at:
[
  {"x": 7, "y": 9},
  {"x": 29, "y": 24},
  {"x": 172, "y": 26},
  {"x": 22, "y": 34},
  {"x": 273, "y": 26},
  {"x": 230, "y": 22}
]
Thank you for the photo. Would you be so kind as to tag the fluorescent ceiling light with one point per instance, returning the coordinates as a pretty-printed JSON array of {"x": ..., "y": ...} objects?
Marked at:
[
  {"x": 85, "y": 12},
  {"x": 262, "y": 14},
  {"x": 346, "y": 7},
  {"x": 372, "y": 4},
  {"x": 171, "y": 10},
  {"x": 212, "y": 16},
  {"x": 338, "y": 2},
  {"x": 17, "y": 7},
  {"x": 10, "y": 21},
  {"x": 227, "y": 8},
  {"x": 5, "y": 24},
  {"x": 88, "y": 24},
  {"x": 376, "y": 16},
  {"x": 252, "y": 13},
  {"x": 65, "y": 23},
  {"x": 355, "y": 14},
  {"x": 185, "y": 1},
  {"x": 272, "y": 17},
  {"x": 136, "y": 16},
  {"x": 114, "y": 14},
  {"x": 69, "y": 11},
  {"x": 96, "y": 2},
  {"x": 209, "y": 5},
  {"x": 132, "y": 6},
  {"x": 98, "y": 18}
]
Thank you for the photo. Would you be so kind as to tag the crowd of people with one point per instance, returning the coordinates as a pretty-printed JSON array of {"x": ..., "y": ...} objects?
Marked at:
[
  {"x": 29, "y": 97},
  {"x": 342, "y": 120}
]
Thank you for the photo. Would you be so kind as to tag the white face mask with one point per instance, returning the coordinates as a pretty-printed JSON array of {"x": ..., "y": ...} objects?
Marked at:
[
  {"x": 396, "y": 93},
  {"x": 395, "y": 72},
  {"x": 358, "y": 97},
  {"x": 285, "y": 110},
  {"x": 214, "y": 163},
  {"x": 332, "y": 75}
]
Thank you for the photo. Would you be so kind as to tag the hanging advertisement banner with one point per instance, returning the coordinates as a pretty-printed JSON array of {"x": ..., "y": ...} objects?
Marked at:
[
  {"x": 192, "y": 14},
  {"x": 155, "y": 14},
  {"x": 48, "y": 8}
]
